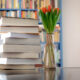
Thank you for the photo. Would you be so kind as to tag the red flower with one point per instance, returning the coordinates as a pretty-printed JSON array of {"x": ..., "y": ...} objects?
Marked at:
[
  {"x": 49, "y": 8},
  {"x": 44, "y": 10},
  {"x": 56, "y": 9}
]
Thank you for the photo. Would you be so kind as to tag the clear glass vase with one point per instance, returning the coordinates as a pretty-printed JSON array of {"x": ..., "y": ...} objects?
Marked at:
[{"x": 49, "y": 58}]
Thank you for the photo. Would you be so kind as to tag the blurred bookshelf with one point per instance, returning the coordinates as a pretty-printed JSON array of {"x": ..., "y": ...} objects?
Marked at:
[{"x": 29, "y": 9}]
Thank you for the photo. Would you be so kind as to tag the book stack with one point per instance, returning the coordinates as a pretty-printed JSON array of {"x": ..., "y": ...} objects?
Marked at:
[{"x": 19, "y": 44}]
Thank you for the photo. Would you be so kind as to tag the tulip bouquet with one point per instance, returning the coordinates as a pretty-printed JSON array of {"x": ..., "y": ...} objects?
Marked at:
[{"x": 49, "y": 17}]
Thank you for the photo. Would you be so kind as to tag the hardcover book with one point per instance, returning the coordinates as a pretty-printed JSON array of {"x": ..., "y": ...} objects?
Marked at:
[
  {"x": 20, "y": 48},
  {"x": 4, "y": 21},
  {"x": 20, "y": 61},
  {"x": 16, "y": 41}
]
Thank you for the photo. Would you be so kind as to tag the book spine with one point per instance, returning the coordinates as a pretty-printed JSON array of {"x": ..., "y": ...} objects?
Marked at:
[
  {"x": 56, "y": 3},
  {"x": 18, "y": 6},
  {"x": 36, "y": 15},
  {"x": 4, "y": 13},
  {"x": 7, "y": 6},
  {"x": 3, "y": 4},
  {"x": 37, "y": 4},
  {"x": 12, "y": 2},
  {"x": 30, "y": 4},
  {"x": 0, "y": 4},
  {"x": 23, "y": 4},
  {"x": 42, "y": 3}
]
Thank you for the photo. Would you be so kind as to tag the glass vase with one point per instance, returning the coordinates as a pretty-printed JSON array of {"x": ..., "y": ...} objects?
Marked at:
[{"x": 49, "y": 58}]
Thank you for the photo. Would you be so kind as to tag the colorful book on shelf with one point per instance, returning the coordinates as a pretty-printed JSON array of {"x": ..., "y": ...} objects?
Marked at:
[
  {"x": 23, "y": 4},
  {"x": 30, "y": 4},
  {"x": 53, "y": 3},
  {"x": 0, "y": 3},
  {"x": 56, "y": 3},
  {"x": 7, "y": 4},
  {"x": 3, "y": 3},
  {"x": 10, "y": 4}
]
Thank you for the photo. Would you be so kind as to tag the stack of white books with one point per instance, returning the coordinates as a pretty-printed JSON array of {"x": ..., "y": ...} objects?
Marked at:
[{"x": 19, "y": 50}]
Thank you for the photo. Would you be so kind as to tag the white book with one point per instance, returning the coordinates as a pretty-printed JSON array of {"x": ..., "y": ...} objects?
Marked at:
[
  {"x": 20, "y": 61},
  {"x": 30, "y": 41},
  {"x": 20, "y": 55},
  {"x": 19, "y": 29},
  {"x": 17, "y": 67},
  {"x": 18, "y": 22},
  {"x": 18, "y": 35},
  {"x": 20, "y": 48}
]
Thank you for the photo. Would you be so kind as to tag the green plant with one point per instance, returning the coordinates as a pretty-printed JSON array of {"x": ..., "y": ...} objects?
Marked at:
[{"x": 49, "y": 17}]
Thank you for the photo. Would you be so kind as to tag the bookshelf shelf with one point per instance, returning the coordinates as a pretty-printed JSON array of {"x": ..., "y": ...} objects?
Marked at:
[
  {"x": 29, "y": 9},
  {"x": 9, "y": 9},
  {"x": 53, "y": 43},
  {"x": 18, "y": 9},
  {"x": 41, "y": 23}
]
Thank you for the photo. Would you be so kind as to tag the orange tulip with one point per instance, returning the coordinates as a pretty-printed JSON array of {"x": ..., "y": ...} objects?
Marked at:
[
  {"x": 44, "y": 10},
  {"x": 49, "y": 8},
  {"x": 56, "y": 9}
]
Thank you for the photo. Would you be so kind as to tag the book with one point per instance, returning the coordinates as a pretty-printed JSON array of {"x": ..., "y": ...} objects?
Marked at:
[
  {"x": 56, "y": 3},
  {"x": 20, "y": 48},
  {"x": 4, "y": 21},
  {"x": 0, "y": 3},
  {"x": 16, "y": 41},
  {"x": 21, "y": 29},
  {"x": 16, "y": 67},
  {"x": 3, "y": 3},
  {"x": 18, "y": 35},
  {"x": 20, "y": 61},
  {"x": 19, "y": 55}
]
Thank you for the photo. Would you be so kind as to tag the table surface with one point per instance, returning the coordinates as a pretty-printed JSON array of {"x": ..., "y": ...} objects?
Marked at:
[{"x": 41, "y": 74}]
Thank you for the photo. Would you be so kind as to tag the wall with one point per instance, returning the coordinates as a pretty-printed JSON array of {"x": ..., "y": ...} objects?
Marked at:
[{"x": 71, "y": 33}]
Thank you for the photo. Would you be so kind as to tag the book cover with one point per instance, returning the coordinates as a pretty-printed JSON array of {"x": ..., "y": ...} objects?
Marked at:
[
  {"x": 18, "y": 35},
  {"x": 18, "y": 22},
  {"x": 30, "y": 4},
  {"x": 15, "y": 55},
  {"x": 3, "y": 4},
  {"x": 20, "y": 61},
  {"x": 14, "y": 41},
  {"x": 0, "y": 3},
  {"x": 19, "y": 29},
  {"x": 20, "y": 48}
]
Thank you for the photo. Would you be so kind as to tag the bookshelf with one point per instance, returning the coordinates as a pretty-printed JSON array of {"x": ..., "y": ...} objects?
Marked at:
[{"x": 19, "y": 9}]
